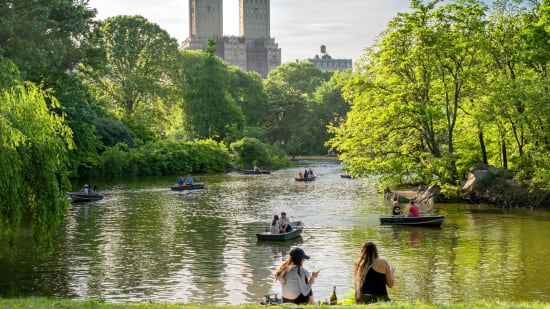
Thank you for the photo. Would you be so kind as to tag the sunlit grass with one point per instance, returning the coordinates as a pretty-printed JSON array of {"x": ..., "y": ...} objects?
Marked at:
[{"x": 31, "y": 302}]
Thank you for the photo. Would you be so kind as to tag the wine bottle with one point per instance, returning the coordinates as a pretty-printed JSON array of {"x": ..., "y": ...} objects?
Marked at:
[{"x": 333, "y": 298}]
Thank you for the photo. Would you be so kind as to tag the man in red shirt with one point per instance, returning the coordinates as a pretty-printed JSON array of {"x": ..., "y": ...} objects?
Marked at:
[{"x": 414, "y": 211}]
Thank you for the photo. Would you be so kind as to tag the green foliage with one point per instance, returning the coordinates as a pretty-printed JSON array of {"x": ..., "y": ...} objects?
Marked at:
[
  {"x": 34, "y": 144},
  {"x": 80, "y": 110},
  {"x": 413, "y": 89},
  {"x": 45, "y": 39},
  {"x": 451, "y": 192},
  {"x": 247, "y": 89},
  {"x": 292, "y": 123},
  {"x": 251, "y": 152},
  {"x": 9, "y": 73},
  {"x": 111, "y": 132},
  {"x": 164, "y": 157},
  {"x": 138, "y": 81},
  {"x": 210, "y": 108},
  {"x": 117, "y": 161}
]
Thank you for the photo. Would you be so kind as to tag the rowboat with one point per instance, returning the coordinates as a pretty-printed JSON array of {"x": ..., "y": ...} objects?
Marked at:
[
  {"x": 309, "y": 178},
  {"x": 195, "y": 186},
  {"x": 83, "y": 197},
  {"x": 297, "y": 228},
  {"x": 429, "y": 221},
  {"x": 256, "y": 172}
]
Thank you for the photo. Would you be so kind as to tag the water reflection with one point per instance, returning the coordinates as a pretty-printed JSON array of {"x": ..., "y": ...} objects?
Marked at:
[
  {"x": 280, "y": 249},
  {"x": 144, "y": 242}
]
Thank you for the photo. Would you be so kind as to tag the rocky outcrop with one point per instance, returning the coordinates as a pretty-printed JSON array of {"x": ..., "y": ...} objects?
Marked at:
[
  {"x": 427, "y": 195},
  {"x": 486, "y": 184}
]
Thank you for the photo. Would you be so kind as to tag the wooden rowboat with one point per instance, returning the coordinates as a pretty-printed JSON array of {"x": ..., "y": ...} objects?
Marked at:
[
  {"x": 195, "y": 186},
  {"x": 429, "y": 221},
  {"x": 83, "y": 197},
  {"x": 297, "y": 228},
  {"x": 309, "y": 178}
]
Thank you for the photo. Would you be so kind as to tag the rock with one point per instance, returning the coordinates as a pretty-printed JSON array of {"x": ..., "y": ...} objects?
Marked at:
[
  {"x": 430, "y": 195},
  {"x": 483, "y": 181}
]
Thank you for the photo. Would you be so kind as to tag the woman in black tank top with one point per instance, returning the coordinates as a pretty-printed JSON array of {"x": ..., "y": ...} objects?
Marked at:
[{"x": 372, "y": 276}]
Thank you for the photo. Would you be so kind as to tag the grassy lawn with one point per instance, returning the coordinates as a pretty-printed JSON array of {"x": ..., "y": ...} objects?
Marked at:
[{"x": 31, "y": 302}]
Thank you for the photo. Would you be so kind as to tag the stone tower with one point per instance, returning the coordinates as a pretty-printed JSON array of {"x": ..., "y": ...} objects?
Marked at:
[
  {"x": 254, "y": 19},
  {"x": 253, "y": 50},
  {"x": 206, "y": 18}
]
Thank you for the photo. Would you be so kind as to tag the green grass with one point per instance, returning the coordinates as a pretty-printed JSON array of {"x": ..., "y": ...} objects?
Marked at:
[{"x": 38, "y": 303}]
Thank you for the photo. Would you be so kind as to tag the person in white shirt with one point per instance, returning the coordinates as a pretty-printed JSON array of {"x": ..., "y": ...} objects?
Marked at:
[
  {"x": 275, "y": 225},
  {"x": 296, "y": 281},
  {"x": 284, "y": 223}
]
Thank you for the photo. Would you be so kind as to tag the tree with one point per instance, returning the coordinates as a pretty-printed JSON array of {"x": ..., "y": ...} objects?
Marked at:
[
  {"x": 34, "y": 143},
  {"x": 329, "y": 105},
  {"x": 47, "y": 38},
  {"x": 247, "y": 89},
  {"x": 290, "y": 123},
  {"x": 138, "y": 79},
  {"x": 209, "y": 107},
  {"x": 410, "y": 91}
]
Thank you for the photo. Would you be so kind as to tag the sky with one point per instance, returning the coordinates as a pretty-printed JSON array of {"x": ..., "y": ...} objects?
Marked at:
[{"x": 300, "y": 27}]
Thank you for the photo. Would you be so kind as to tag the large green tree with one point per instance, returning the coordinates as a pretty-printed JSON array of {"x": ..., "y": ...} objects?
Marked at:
[
  {"x": 49, "y": 41},
  {"x": 247, "y": 89},
  {"x": 210, "y": 109},
  {"x": 138, "y": 80},
  {"x": 45, "y": 38},
  {"x": 291, "y": 123},
  {"x": 34, "y": 143},
  {"x": 410, "y": 90}
]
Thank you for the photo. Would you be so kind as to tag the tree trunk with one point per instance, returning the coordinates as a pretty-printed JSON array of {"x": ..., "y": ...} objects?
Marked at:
[
  {"x": 482, "y": 146},
  {"x": 504, "y": 156}
]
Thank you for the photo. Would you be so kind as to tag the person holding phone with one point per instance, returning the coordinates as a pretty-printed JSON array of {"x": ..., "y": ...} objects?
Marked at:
[{"x": 296, "y": 281}]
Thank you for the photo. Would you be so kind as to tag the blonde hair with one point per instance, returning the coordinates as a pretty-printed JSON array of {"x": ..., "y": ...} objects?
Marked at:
[{"x": 368, "y": 254}]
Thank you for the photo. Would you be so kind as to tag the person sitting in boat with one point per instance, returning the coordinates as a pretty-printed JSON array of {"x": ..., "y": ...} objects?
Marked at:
[
  {"x": 256, "y": 169},
  {"x": 275, "y": 225},
  {"x": 180, "y": 181},
  {"x": 414, "y": 210},
  {"x": 310, "y": 172},
  {"x": 396, "y": 209},
  {"x": 284, "y": 223},
  {"x": 300, "y": 175},
  {"x": 306, "y": 174},
  {"x": 86, "y": 189},
  {"x": 188, "y": 180}
]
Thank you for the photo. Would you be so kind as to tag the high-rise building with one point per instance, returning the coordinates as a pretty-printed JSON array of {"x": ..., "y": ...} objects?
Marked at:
[
  {"x": 253, "y": 50},
  {"x": 325, "y": 62},
  {"x": 206, "y": 18}
]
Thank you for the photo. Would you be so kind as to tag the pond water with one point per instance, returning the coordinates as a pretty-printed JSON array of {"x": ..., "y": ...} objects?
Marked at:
[{"x": 144, "y": 242}]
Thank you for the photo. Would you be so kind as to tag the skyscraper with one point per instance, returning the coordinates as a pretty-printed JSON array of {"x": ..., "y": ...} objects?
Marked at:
[
  {"x": 254, "y": 19},
  {"x": 253, "y": 50},
  {"x": 206, "y": 18}
]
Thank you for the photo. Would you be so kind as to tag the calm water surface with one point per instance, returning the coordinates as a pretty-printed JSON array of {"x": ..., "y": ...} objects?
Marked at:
[{"x": 143, "y": 242}]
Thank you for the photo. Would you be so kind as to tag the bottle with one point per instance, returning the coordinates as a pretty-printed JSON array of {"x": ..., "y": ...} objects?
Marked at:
[{"x": 333, "y": 298}]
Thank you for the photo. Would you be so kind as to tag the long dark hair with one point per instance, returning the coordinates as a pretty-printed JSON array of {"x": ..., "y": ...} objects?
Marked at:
[
  {"x": 368, "y": 254},
  {"x": 275, "y": 219},
  {"x": 292, "y": 260}
]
